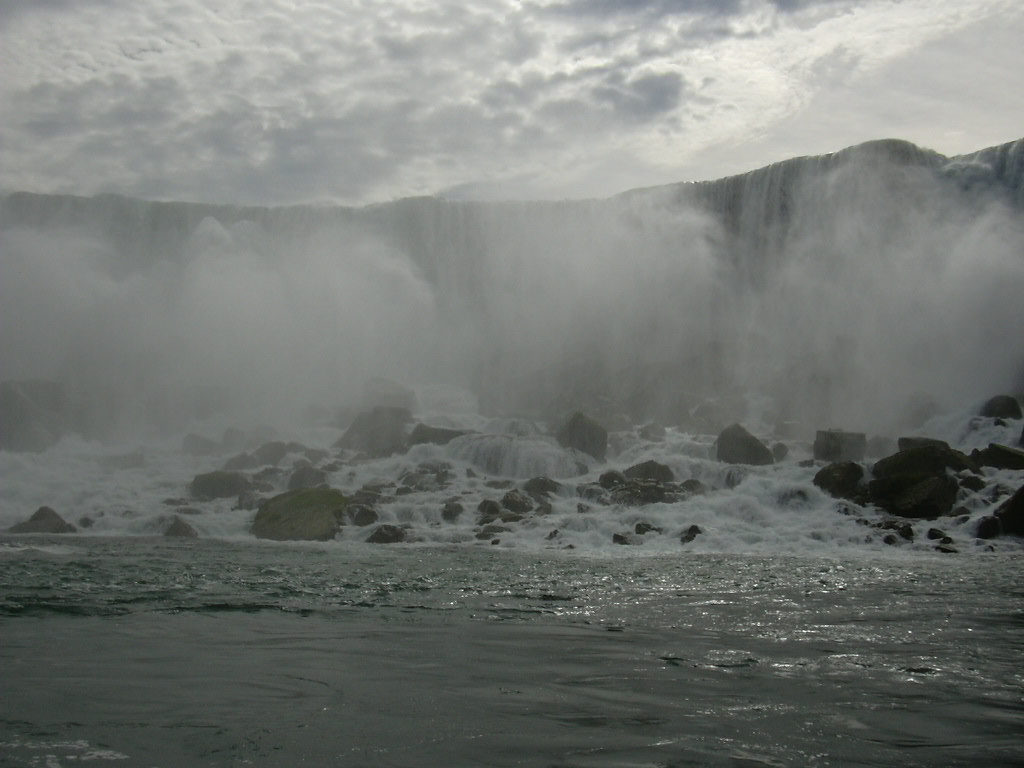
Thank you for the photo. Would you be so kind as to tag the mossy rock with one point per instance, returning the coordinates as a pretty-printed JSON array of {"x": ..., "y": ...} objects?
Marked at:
[{"x": 307, "y": 514}]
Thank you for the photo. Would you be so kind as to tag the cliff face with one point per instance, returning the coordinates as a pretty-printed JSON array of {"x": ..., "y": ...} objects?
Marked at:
[{"x": 826, "y": 284}]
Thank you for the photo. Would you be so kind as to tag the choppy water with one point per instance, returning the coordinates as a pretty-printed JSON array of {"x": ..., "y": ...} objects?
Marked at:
[{"x": 147, "y": 652}]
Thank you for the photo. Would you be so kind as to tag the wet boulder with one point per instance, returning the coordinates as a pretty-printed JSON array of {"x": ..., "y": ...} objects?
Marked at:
[
  {"x": 359, "y": 515},
  {"x": 1001, "y": 407},
  {"x": 585, "y": 435},
  {"x": 517, "y": 501},
  {"x": 306, "y": 476},
  {"x": 834, "y": 445},
  {"x": 422, "y": 434},
  {"x": 386, "y": 534},
  {"x": 1008, "y": 519},
  {"x": 999, "y": 456},
  {"x": 843, "y": 480},
  {"x": 650, "y": 470},
  {"x": 308, "y": 514},
  {"x": 179, "y": 529},
  {"x": 219, "y": 485},
  {"x": 378, "y": 433},
  {"x": 690, "y": 534},
  {"x": 540, "y": 487},
  {"x": 917, "y": 481},
  {"x": 735, "y": 445},
  {"x": 43, "y": 520}
]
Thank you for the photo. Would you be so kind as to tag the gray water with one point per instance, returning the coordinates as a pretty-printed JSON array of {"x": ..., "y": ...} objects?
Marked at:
[{"x": 144, "y": 652}]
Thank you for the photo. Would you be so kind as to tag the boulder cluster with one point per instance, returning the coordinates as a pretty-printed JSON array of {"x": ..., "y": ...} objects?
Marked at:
[{"x": 286, "y": 485}]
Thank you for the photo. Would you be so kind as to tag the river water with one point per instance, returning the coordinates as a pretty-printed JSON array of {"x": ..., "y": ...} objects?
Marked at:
[{"x": 140, "y": 651}]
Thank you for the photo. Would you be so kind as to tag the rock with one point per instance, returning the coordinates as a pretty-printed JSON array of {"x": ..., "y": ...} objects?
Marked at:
[
  {"x": 625, "y": 539},
  {"x": 690, "y": 534},
  {"x": 428, "y": 477},
  {"x": 451, "y": 511},
  {"x": 999, "y": 457},
  {"x": 488, "y": 511},
  {"x": 379, "y": 391},
  {"x": 638, "y": 493},
  {"x": 421, "y": 434},
  {"x": 541, "y": 487},
  {"x": 180, "y": 529},
  {"x": 218, "y": 485},
  {"x": 197, "y": 445},
  {"x": 735, "y": 445},
  {"x": 32, "y": 414},
  {"x": 377, "y": 433},
  {"x": 653, "y": 432},
  {"x": 1001, "y": 407},
  {"x": 907, "y": 496},
  {"x": 779, "y": 452},
  {"x": 650, "y": 470},
  {"x": 1008, "y": 519},
  {"x": 270, "y": 453},
  {"x": 693, "y": 487},
  {"x": 308, "y": 514},
  {"x": 611, "y": 479},
  {"x": 585, "y": 435},
  {"x": 834, "y": 445},
  {"x": 43, "y": 520},
  {"x": 386, "y": 534},
  {"x": 641, "y": 529},
  {"x": 360, "y": 515},
  {"x": 843, "y": 480},
  {"x": 306, "y": 476},
  {"x": 923, "y": 458},
  {"x": 517, "y": 501}
]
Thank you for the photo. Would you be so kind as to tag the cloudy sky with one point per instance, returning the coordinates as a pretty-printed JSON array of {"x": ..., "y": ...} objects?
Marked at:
[{"x": 357, "y": 101}]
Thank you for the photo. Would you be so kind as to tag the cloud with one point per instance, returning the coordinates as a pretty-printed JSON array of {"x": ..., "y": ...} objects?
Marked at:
[{"x": 355, "y": 103}]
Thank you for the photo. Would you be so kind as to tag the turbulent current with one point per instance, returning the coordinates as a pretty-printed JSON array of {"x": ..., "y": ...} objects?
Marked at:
[{"x": 171, "y": 368}]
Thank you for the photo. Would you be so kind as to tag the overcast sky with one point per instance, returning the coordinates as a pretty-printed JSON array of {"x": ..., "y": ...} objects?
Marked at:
[{"x": 358, "y": 101}]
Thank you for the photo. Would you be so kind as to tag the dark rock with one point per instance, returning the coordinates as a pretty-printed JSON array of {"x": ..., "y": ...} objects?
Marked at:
[
  {"x": 834, "y": 445},
  {"x": 422, "y": 433},
  {"x": 379, "y": 391},
  {"x": 180, "y": 529},
  {"x": 735, "y": 445},
  {"x": 1001, "y": 407},
  {"x": 923, "y": 458},
  {"x": 624, "y": 539},
  {"x": 972, "y": 482},
  {"x": 906, "y": 496},
  {"x": 584, "y": 434},
  {"x": 43, "y": 520},
  {"x": 936, "y": 533},
  {"x": 360, "y": 515},
  {"x": 640, "y": 529},
  {"x": 650, "y": 470},
  {"x": 690, "y": 534},
  {"x": 1008, "y": 519},
  {"x": 517, "y": 501},
  {"x": 32, "y": 415},
  {"x": 552, "y": 535},
  {"x": 779, "y": 452},
  {"x": 999, "y": 456},
  {"x": 86, "y": 522},
  {"x": 240, "y": 462},
  {"x": 637, "y": 493},
  {"x": 653, "y": 432},
  {"x": 843, "y": 480},
  {"x": 272, "y": 453},
  {"x": 386, "y": 534},
  {"x": 693, "y": 487},
  {"x": 306, "y": 476},
  {"x": 451, "y": 511},
  {"x": 541, "y": 486},
  {"x": 428, "y": 477},
  {"x": 197, "y": 445},
  {"x": 488, "y": 511},
  {"x": 308, "y": 514},
  {"x": 377, "y": 433},
  {"x": 219, "y": 485},
  {"x": 611, "y": 479}
]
